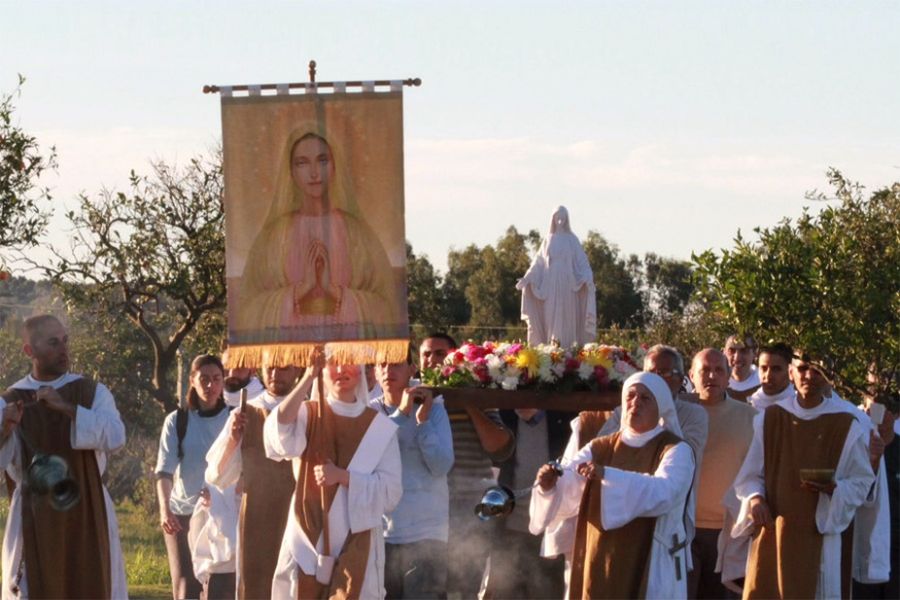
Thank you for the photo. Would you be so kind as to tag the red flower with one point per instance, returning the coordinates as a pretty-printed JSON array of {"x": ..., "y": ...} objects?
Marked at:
[{"x": 601, "y": 375}]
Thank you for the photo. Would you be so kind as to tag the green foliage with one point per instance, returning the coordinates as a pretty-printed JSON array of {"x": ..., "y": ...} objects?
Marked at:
[
  {"x": 619, "y": 302},
  {"x": 829, "y": 283},
  {"x": 155, "y": 256},
  {"x": 426, "y": 306},
  {"x": 22, "y": 218},
  {"x": 146, "y": 562}
]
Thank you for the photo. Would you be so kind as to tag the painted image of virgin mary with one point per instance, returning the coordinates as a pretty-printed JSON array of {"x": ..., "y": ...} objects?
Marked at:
[{"x": 316, "y": 263}]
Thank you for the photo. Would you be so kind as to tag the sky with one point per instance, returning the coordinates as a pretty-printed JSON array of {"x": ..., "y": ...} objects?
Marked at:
[{"x": 665, "y": 126}]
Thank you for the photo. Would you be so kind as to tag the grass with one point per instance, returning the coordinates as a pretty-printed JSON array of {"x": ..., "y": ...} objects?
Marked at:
[{"x": 146, "y": 564}]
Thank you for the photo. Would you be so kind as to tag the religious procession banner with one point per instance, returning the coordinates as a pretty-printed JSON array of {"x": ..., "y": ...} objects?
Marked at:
[{"x": 314, "y": 229}]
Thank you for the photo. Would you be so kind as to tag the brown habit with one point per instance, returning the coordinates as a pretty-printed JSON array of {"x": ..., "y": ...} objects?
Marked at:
[
  {"x": 615, "y": 563},
  {"x": 590, "y": 422},
  {"x": 334, "y": 437},
  {"x": 265, "y": 505},
  {"x": 66, "y": 554},
  {"x": 784, "y": 558}
]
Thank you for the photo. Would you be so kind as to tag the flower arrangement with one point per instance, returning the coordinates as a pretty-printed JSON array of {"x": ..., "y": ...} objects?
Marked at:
[{"x": 514, "y": 365}]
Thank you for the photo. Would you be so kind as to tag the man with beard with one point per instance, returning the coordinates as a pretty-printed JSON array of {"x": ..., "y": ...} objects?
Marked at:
[
  {"x": 47, "y": 552},
  {"x": 241, "y": 379}
]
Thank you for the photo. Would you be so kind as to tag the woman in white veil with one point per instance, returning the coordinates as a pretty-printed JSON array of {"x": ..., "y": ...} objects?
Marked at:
[{"x": 558, "y": 294}]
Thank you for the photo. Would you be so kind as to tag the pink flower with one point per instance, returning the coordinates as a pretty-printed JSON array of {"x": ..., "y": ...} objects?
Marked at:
[
  {"x": 474, "y": 352},
  {"x": 514, "y": 349},
  {"x": 448, "y": 370},
  {"x": 481, "y": 372},
  {"x": 601, "y": 375}
]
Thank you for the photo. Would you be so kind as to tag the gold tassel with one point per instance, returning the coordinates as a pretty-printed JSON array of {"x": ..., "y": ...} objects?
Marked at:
[{"x": 300, "y": 355}]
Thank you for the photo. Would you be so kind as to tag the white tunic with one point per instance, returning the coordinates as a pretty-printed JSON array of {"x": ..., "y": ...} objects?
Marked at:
[
  {"x": 761, "y": 400},
  {"x": 100, "y": 429},
  {"x": 751, "y": 381},
  {"x": 834, "y": 513},
  {"x": 626, "y": 496},
  {"x": 223, "y": 476},
  {"x": 375, "y": 489},
  {"x": 254, "y": 388},
  {"x": 226, "y": 477}
]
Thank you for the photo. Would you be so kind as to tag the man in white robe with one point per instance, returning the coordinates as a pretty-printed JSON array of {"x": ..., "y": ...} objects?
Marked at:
[
  {"x": 98, "y": 429},
  {"x": 266, "y": 487},
  {"x": 654, "y": 498},
  {"x": 741, "y": 353},
  {"x": 362, "y": 492},
  {"x": 783, "y": 573},
  {"x": 237, "y": 380}
]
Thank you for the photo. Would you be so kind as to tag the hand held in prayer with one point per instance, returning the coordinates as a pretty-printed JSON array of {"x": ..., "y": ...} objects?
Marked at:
[
  {"x": 812, "y": 486},
  {"x": 237, "y": 428},
  {"x": 205, "y": 499},
  {"x": 52, "y": 400},
  {"x": 12, "y": 415},
  {"x": 759, "y": 512},
  {"x": 547, "y": 477},
  {"x": 169, "y": 523},
  {"x": 329, "y": 474}
]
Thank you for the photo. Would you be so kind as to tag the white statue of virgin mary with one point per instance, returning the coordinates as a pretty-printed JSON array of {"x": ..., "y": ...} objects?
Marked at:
[{"x": 559, "y": 301}]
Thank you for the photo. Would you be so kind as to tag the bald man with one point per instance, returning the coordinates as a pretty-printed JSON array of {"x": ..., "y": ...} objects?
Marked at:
[
  {"x": 53, "y": 412},
  {"x": 729, "y": 437}
]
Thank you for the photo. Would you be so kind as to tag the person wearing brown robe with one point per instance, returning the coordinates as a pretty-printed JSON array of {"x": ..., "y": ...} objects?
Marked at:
[
  {"x": 54, "y": 412},
  {"x": 238, "y": 457},
  {"x": 629, "y": 490},
  {"x": 796, "y": 515},
  {"x": 348, "y": 477}
]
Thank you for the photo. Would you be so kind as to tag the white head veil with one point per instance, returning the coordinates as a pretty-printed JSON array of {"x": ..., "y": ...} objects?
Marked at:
[
  {"x": 360, "y": 402},
  {"x": 668, "y": 418}
]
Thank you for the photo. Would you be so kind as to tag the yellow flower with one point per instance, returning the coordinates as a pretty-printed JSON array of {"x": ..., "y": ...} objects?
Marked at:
[
  {"x": 599, "y": 357},
  {"x": 528, "y": 359}
]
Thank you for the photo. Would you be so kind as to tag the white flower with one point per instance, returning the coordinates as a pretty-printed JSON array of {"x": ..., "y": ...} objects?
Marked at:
[
  {"x": 585, "y": 370},
  {"x": 545, "y": 373},
  {"x": 558, "y": 369},
  {"x": 509, "y": 383},
  {"x": 495, "y": 366}
]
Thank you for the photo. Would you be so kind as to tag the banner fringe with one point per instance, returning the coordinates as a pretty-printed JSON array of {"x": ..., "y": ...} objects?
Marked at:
[{"x": 300, "y": 355}]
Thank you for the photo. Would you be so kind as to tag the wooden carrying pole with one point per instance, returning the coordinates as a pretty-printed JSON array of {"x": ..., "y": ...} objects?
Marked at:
[
  {"x": 326, "y": 541},
  {"x": 547, "y": 400},
  {"x": 214, "y": 89}
]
